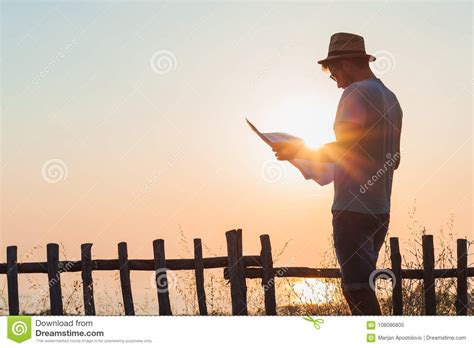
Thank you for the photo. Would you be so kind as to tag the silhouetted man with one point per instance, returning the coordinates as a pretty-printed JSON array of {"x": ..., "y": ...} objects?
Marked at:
[{"x": 366, "y": 153}]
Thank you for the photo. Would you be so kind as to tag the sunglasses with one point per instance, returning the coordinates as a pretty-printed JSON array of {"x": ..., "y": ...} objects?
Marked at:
[{"x": 333, "y": 77}]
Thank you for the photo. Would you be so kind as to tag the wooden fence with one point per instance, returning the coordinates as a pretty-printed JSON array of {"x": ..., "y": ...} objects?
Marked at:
[{"x": 237, "y": 268}]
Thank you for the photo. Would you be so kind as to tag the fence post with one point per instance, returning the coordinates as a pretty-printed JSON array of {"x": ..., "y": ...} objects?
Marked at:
[
  {"x": 268, "y": 280},
  {"x": 54, "y": 279},
  {"x": 461, "y": 297},
  {"x": 199, "y": 273},
  {"x": 161, "y": 279},
  {"x": 396, "y": 259},
  {"x": 125, "y": 279},
  {"x": 236, "y": 268},
  {"x": 12, "y": 280},
  {"x": 87, "y": 283},
  {"x": 428, "y": 275}
]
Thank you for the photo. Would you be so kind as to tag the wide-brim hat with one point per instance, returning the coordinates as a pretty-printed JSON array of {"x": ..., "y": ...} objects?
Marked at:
[{"x": 346, "y": 45}]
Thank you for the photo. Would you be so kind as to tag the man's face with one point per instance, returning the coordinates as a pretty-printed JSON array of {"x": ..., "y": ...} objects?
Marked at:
[{"x": 340, "y": 72}]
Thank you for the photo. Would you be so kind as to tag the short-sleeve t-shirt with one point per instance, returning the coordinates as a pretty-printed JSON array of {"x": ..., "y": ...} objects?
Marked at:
[{"x": 363, "y": 176}]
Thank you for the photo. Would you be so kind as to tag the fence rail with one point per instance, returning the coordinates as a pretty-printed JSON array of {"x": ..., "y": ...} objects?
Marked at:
[{"x": 237, "y": 268}]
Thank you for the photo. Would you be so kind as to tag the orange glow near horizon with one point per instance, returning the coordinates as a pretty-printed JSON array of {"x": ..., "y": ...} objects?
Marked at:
[{"x": 314, "y": 291}]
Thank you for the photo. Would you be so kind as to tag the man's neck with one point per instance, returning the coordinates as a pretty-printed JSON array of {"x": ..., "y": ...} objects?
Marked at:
[{"x": 364, "y": 75}]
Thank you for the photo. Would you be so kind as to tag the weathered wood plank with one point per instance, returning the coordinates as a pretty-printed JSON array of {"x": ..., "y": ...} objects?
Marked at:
[
  {"x": 306, "y": 272},
  {"x": 429, "y": 275},
  {"x": 268, "y": 280},
  {"x": 396, "y": 259},
  {"x": 461, "y": 294},
  {"x": 147, "y": 265},
  {"x": 12, "y": 281},
  {"x": 54, "y": 279},
  {"x": 133, "y": 264},
  {"x": 199, "y": 274},
  {"x": 290, "y": 272},
  {"x": 236, "y": 269},
  {"x": 125, "y": 279},
  {"x": 87, "y": 282},
  {"x": 161, "y": 278}
]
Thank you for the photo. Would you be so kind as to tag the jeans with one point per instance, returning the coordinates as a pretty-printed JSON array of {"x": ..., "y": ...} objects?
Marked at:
[{"x": 358, "y": 238}]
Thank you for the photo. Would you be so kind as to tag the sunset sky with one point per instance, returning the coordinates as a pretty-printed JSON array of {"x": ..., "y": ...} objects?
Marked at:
[{"x": 144, "y": 148}]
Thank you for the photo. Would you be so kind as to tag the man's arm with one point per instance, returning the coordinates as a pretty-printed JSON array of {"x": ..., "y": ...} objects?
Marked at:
[{"x": 350, "y": 134}]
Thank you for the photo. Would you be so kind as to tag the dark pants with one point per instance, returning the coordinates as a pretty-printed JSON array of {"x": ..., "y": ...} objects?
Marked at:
[{"x": 357, "y": 240}]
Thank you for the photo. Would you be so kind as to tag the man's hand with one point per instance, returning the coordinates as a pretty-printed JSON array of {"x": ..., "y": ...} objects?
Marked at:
[{"x": 285, "y": 151}]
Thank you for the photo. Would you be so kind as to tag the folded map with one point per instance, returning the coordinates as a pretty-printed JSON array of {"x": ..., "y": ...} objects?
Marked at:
[{"x": 322, "y": 173}]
